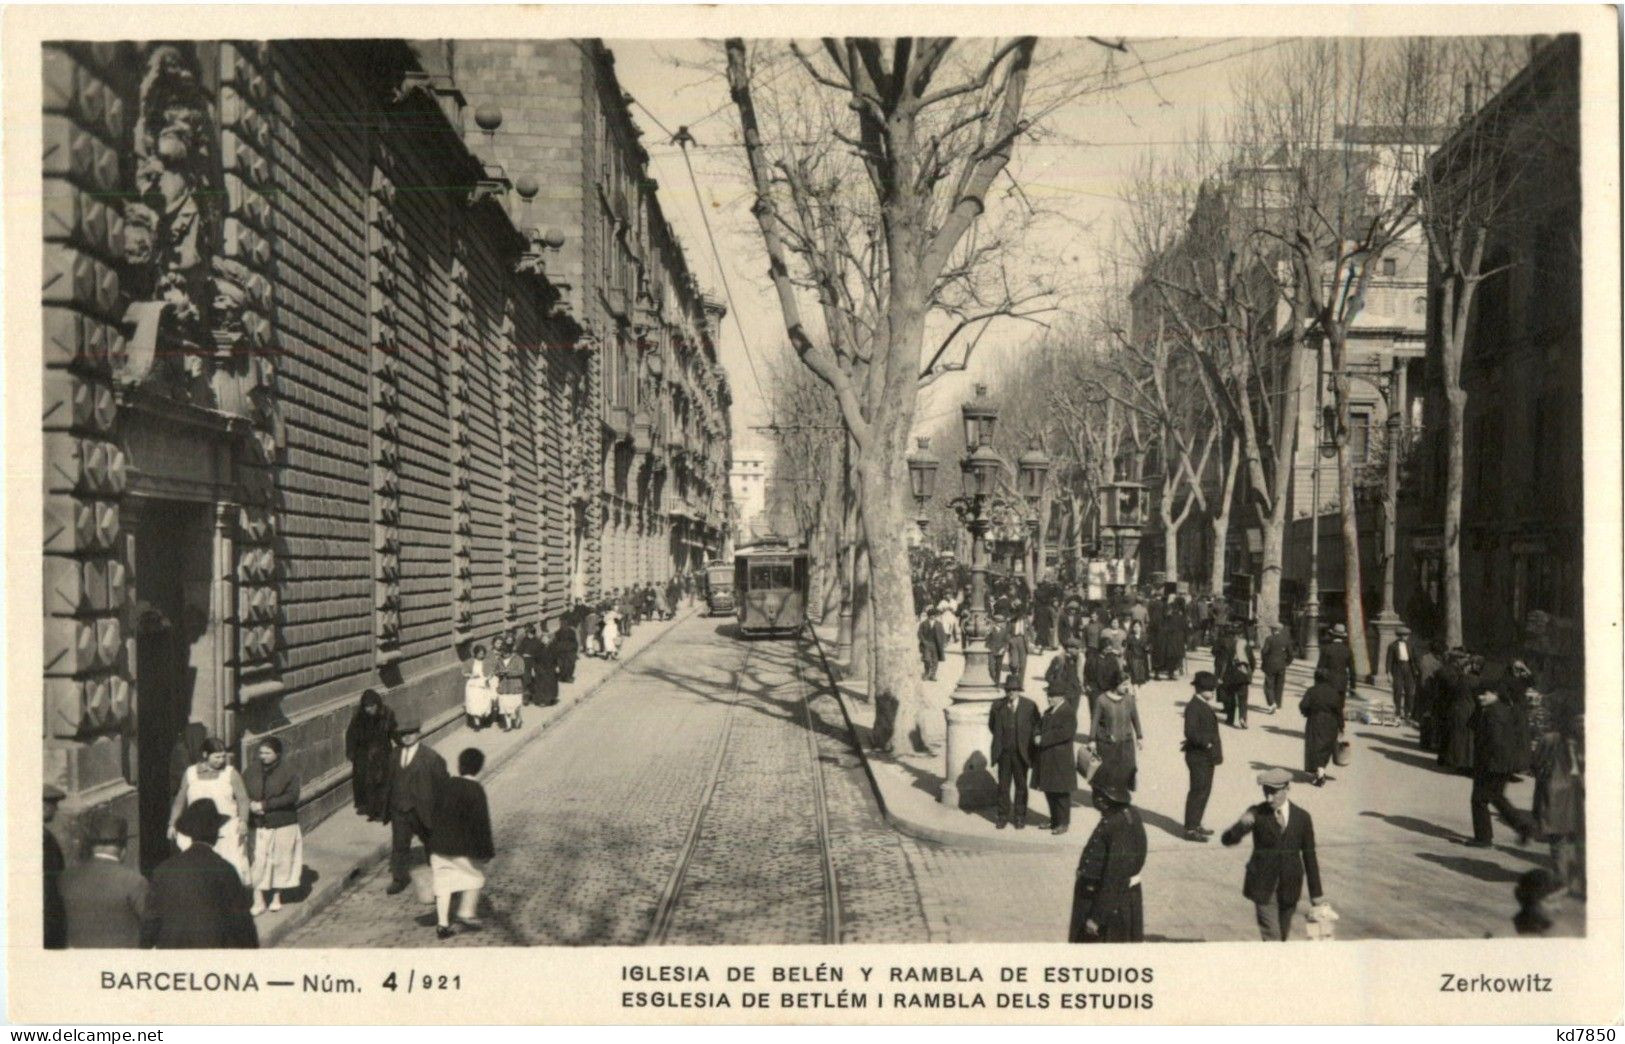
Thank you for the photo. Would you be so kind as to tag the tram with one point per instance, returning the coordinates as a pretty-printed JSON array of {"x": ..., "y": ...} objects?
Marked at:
[
  {"x": 719, "y": 588},
  {"x": 770, "y": 588}
]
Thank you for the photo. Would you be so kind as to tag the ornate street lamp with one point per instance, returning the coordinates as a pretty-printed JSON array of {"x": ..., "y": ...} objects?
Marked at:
[
  {"x": 980, "y": 416},
  {"x": 965, "y": 783},
  {"x": 1032, "y": 474},
  {"x": 922, "y": 473}
]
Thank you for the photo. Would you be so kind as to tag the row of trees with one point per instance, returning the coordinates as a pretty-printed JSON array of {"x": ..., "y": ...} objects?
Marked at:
[{"x": 1245, "y": 256}]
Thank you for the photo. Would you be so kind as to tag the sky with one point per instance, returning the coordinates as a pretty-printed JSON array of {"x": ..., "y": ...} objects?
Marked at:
[{"x": 1155, "y": 96}]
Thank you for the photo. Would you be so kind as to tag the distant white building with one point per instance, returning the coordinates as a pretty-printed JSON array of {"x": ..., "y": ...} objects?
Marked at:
[{"x": 747, "y": 479}]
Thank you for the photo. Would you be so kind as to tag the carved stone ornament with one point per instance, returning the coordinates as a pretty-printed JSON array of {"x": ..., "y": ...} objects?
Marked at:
[{"x": 186, "y": 307}]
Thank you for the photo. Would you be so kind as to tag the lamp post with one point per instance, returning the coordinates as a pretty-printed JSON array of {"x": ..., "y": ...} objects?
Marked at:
[
  {"x": 1326, "y": 447},
  {"x": 1391, "y": 386},
  {"x": 967, "y": 783},
  {"x": 1032, "y": 472}
]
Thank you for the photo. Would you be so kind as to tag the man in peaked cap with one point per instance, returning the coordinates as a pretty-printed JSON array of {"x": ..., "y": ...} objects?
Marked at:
[
  {"x": 197, "y": 901},
  {"x": 416, "y": 774},
  {"x": 106, "y": 897},
  {"x": 1106, "y": 901},
  {"x": 1204, "y": 750},
  {"x": 1283, "y": 855}
]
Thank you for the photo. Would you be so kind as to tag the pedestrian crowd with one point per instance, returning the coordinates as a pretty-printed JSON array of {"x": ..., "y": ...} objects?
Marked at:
[
  {"x": 238, "y": 846},
  {"x": 1492, "y": 728}
]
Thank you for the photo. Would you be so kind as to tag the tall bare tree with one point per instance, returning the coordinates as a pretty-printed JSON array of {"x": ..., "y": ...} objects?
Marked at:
[
  {"x": 932, "y": 130},
  {"x": 1468, "y": 193}
]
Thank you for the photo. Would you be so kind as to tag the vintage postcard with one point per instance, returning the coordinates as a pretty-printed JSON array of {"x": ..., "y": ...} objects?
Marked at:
[{"x": 690, "y": 515}]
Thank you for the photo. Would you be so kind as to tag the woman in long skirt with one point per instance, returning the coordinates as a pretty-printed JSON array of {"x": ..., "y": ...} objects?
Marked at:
[
  {"x": 544, "y": 674},
  {"x": 1322, "y": 709},
  {"x": 368, "y": 747},
  {"x": 1116, "y": 735},
  {"x": 510, "y": 684},
  {"x": 273, "y": 808},
  {"x": 612, "y": 633},
  {"x": 1139, "y": 654},
  {"x": 564, "y": 653}
]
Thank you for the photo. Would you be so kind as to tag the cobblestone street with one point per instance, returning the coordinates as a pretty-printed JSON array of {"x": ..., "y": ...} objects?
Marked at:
[{"x": 680, "y": 806}]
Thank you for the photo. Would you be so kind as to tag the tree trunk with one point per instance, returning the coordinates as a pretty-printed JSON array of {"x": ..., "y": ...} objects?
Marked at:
[
  {"x": 1353, "y": 591},
  {"x": 861, "y": 609},
  {"x": 1229, "y": 468},
  {"x": 897, "y": 670},
  {"x": 1170, "y": 553},
  {"x": 1456, "y": 403}
]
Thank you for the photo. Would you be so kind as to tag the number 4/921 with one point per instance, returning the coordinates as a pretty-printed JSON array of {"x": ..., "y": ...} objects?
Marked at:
[{"x": 413, "y": 981}]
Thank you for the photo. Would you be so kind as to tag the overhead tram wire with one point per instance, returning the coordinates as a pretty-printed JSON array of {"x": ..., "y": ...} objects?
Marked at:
[{"x": 683, "y": 138}]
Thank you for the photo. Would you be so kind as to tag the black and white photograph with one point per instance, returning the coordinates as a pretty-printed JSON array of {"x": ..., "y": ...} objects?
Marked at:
[{"x": 507, "y": 489}]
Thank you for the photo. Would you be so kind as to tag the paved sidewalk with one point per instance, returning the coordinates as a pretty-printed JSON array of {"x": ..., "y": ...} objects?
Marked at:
[
  {"x": 1389, "y": 829},
  {"x": 344, "y": 846}
]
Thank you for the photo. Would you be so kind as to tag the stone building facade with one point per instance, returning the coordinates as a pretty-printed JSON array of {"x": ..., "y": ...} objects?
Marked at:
[
  {"x": 655, "y": 502},
  {"x": 321, "y": 408},
  {"x": 1522, "y": 545}
]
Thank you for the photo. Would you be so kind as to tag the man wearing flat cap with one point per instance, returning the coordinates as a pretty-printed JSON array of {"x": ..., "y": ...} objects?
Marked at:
[
  {"x": 1014, "y": 724},
  {"x": 1203, "y": 751},
  {"x": 416, "y": 774},
  {"x": 1106, "y": 901},
  {"x": 1283, "y": 855},
  {"x": 106, "y": 897},
  {"x": 197, "y": 901}
]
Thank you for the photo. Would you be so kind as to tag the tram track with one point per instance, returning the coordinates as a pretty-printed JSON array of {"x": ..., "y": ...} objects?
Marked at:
[{"x": 698, "y": 856}]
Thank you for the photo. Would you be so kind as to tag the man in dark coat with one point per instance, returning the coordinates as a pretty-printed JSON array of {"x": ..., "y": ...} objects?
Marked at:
[
  {"x": 1493, "y": 759},
  {"x": 197, "y": 901},
  {"x": 1514, "y": 691},
  {"x": 1274, "y": 658},
  {"x": 106, "y": 898},
  {"x": 1055, "y": 768},
  {"x": 1283, "y": 856},
  {"x": 1013, "y": 721},
  {"x": 416, "y": 774},
  {"x": 1404, "y": 672},
  {"x": 998, "y": 639},
  {"x": 1338, "y": 659},
  {"x": 1203, "y": 751},
  {"x": 933, "y": 642},
  {"x": 53, "y": 865},
  {"x": 531, "y": 648},
  {"x": 1065, "y": 674},
  {"x": 1106, "y": 902},
  {"x": 1044, "y": 622}
]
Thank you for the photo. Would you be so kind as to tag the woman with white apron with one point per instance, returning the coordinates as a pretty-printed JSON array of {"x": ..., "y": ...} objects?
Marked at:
[
  {"x": 612, "y": 633},
  {"x": 213, "y": 778},
  {"x": 479, "y": 690}
]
